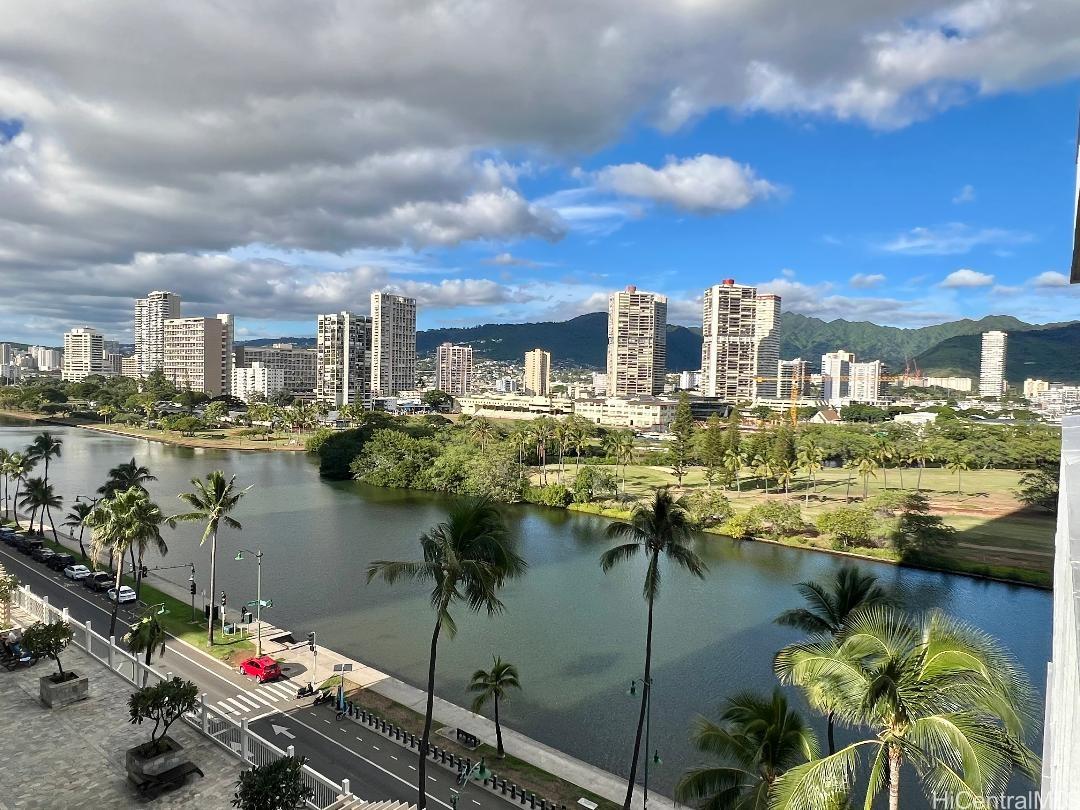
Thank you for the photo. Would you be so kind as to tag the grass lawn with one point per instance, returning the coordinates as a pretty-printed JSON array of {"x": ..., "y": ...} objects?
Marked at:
[{"x": 225, "y": 438}]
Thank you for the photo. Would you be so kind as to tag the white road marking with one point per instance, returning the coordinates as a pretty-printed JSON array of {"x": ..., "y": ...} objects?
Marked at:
[
  {"x": 245, "y": 701},
  {"x": 474, "y": 801},
  {"x": 260, "y": 699},
  {"x": 376, "y": 748},
  {"x": 412, "y": 767},
  {"x": 393, "y": 757},
  {"x": 433, "y": 779},
  {"x": 226, "y": 708}
]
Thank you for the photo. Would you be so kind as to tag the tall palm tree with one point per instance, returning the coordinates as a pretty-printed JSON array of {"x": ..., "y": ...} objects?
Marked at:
[
  {"x": 4, "y": 456},
  {"x": 785, "y": 472},
  {"x": 957, "y": 462},
  {"x": 19, "y": 467},
  {"x": 829, "y": 608},
  {"x": 145, "y": 636},
  {"x": 125, "y": 476},
  {"x": 482, "y": 431},
  {"x": 211, "y": 502},
  {"x": 757, "y": 739},
  {"x": 541, "y": 436},
  {"x": 884, "y": 452},
  {"x": 620, "y": 445},
  {"x": 44, "y": 447},
  {"x": 41, "y": 499},
  {"x": 920, "y": 454},
  {"x": 113, "y": 531},
  {"x": 493, "y": 685},
  {"x": 810, "y": 458},
  {"x": 734, "y": 461},
  {"x": 76, "y": 519},
  {"x": 929, "y": 690},
  {"x": 560, "y": 432},
  {"x": 661, "y": 528},
  {"x": 31, "y": 498},
  {"x": 866, "y": 465},
  {"x": 467, "y": 558},
  {"x": 764, "y": 465},
  {"x": 148, "y": 517}
]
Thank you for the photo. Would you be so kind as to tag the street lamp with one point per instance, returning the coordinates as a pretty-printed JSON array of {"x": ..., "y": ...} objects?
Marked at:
[
  {"x": 647, "y": 686},
  {"x": 258, "y": 593}
]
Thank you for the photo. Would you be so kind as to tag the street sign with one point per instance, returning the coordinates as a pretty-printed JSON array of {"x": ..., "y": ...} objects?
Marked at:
[{"x": 342, "y": 667}]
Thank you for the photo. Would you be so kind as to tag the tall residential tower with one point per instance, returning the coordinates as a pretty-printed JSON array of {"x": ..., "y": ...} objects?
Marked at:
[
  {"x": 740, "y": 342},
  {"x": 393, "y": 344},
  {"x": 537, "y": 373},
  {"x": 343, "y": 365},
  {"x": 150, "y": 316},
  {"x": 454, "y": 369},
  {"x": 637, "y": 343},
  {"x": 992, "y": 364}
]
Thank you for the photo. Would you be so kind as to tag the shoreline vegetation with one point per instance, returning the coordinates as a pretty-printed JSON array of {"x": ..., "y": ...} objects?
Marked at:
[{"x": 897, "y": 510}]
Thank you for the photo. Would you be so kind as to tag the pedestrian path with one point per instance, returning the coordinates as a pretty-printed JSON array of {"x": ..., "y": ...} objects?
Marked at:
[{"x": 263, "y": 697}]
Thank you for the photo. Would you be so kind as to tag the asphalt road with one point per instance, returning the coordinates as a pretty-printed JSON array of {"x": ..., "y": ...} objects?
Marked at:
[{"x": 377, "y": 768}]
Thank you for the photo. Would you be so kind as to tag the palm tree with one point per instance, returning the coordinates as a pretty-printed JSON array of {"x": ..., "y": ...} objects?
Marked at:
[
  {"x": 41, "y": 499},
  {"x": 757, "y": 739},
  {"x": 105, "y": 411},
  {"x": 734, "y": 461},
  {"x": 920, "y": 453},
  {"x": 620, "y": 445},
  {"x": 31, "y": 498},
  {"x": 145, "y": 636},
  {"x": 482, "y": 431},
  {"x": 518, "y": 437},
  {"x": 125, "y": 476},
  {"x": 541, "y": 435},
  {"x": 45, "y": 446},
  {"x": 147, "y": 517},
  {"x": 884, "y": 452},
  {"x": 19, "y": 467},
  {"x": 811, "y": 459},
  {"x": 493, "y": 685},
  {"x": 662, "y": 527},
  {"x": 113, "y": 526},
  {"x": 930, "y": 690},
  {"x": 467, "y": 558},
  {"x": 560, "y": 432},
  {"x": 784, "y": 472},
  {"x": 957, "y": 462},
  {"x": 4, "y": 456},
  {"x": 211, "y": 503},
  {"x": 764, "y": 467},
  {"x": 829, "y": 608},
  {"x": 76, "y": 519},
  {"x": 866, "y": 464}
]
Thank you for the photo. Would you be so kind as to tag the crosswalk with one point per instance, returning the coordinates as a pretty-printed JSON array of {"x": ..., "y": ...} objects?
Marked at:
[{"x": 264, "y": 696}]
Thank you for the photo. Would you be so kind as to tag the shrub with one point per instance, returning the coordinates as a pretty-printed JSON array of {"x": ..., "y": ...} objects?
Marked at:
[
  {"x": 164, "y": 703},
  {"x": 337, "y": 452},
  {"x": 49, "y": 640},
  {"x": 551, "y": 495},
  {"x": 277, "y": 785},
  {"x": 849, "y": 526},
  {"x": 593, "y": 483},
  {"x": 742, "y": 526},
  {"x": 781, "y": 519},
  {"x": 709, "y": 508},
  {"x": 314, "y": 442}
]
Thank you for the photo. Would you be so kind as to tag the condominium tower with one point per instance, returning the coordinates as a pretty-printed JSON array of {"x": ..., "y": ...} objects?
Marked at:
[
  {"x": 150, "y": 316},
  {"x": 992, "y": 364},
  {"x": 835, "y": 375},
  {"x": 393, "y": 344},
  {"x": 84, "y": 353},
  {"x": 454, "y": 369},
  {"x": 864, "y": 384},
  {"x": 537, "y": 372},
  {"x": 740, "y": 348},
  {"x": 297, "y": 365},
  {"x": 637, "y": 343},
  {"x": 343, "y": 362},
  {"x": 792, "y": 377},
  {"x": 198, "y": 354}
]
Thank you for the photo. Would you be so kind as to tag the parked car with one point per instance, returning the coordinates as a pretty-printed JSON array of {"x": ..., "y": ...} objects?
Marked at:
[
  {"x": 99, "y": 581},
  {"x": 76, "y": 572},
  {"x": 42, "y": 554},
  {"x": 262, "y": 669},
  {"x": 26, "y": 545},
  {"x": 58, "y": 562},
  {"x": 126, "y": 594},
  {"x": 8, "y": 537}
]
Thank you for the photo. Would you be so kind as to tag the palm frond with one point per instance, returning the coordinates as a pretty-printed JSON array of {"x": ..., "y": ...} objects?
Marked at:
[{"x": 612, "y": 557}]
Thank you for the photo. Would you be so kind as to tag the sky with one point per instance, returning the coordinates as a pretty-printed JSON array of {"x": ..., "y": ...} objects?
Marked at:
[{"x": 905, "y": 162}]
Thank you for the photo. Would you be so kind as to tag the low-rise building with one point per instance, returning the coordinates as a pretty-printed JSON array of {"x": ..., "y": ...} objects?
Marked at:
[
  {"x": 297, "y": 363},
  {"x": 514, "y": 406},
  {"x": 641, "y": 413},
  {"x": 256, "y": 379},
  {"x": 129, "y": 366}
]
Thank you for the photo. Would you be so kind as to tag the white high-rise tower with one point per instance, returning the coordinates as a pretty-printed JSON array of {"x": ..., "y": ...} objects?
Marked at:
[
  {"x": 992, "y": 364},
  {"x": 637, "y": 343},
  {"x": 150, "y": 316},
  {"x": 740, "y": 342},
  {"x": 393, "y": 344}
]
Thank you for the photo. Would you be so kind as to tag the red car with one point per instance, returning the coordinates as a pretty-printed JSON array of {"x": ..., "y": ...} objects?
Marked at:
[{"x": 262, "y": 669}]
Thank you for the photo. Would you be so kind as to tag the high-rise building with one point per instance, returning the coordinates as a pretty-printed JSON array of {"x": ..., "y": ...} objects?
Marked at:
[
  {"x": 228, "y": 326},
  {"x": 729, "y": 323},
  {"x": 343, "y": 360},
  {"x": 256, "y": 379},
  {"x": 537, "y": 372},
  {"x": 49, "y": 359},
  {"x": 864, "y": 383},
  {"x": 195, "y": 354},
  {"x": 766, "y": 344},
  {"x": 296, "y": 364},
  {"x": 992, "y": 364},
  {"x": 637, "y": 343},
  {"x": 7, "y": 354},
  {"x": 83, "y": 353},
  {"x": 454, "y": 369},
  {"x": 393, "y": 344},
  {"x": 150, "y": 316},
  {"x": 129, "y": 366},
  {"x": 792, "y": 374},
  {"x": 835, "y": 373}
]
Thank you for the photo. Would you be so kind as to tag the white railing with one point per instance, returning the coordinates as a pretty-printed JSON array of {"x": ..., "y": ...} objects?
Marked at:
[{"x": 235, "y": 738}]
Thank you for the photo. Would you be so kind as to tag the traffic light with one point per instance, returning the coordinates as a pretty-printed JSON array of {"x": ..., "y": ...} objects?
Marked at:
[
  {"x": 142, "y": 572},
  {"x": 311, "y": 641},
  {"x": 223, "y": 599},
  {"x": 192, "y": 587}
]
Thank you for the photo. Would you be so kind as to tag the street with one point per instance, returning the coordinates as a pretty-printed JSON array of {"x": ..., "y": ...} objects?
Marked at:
[{"x": 377, "y": 768}]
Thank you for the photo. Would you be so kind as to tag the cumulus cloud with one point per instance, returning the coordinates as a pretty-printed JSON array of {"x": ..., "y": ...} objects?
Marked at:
[
  {"x": 864, "y": 281},
  {"x": 1050, "y": 278},
  {"x": 510, "y": 260},
  {"x": 705, "y": 184},
  {"x": 952, "y": 239},
  {"x": 965, "y": 278},
  {"x": 965, "y": 195}
]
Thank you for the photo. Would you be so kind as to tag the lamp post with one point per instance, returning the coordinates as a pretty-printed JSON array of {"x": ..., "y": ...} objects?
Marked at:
[
  {"x": 647, "y": 686},
  {"x": 191, "y": 587},
  {"x": 258, "y": 593}
]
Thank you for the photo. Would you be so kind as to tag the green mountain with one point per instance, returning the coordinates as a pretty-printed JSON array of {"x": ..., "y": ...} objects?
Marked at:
[{"x": 1047, "y": 354}]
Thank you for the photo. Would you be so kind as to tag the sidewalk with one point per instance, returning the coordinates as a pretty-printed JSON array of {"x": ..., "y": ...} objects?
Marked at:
[{"x": 555, "y": 762}]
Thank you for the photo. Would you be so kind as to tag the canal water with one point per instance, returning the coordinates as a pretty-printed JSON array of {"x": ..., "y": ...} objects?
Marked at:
[{"x": 575, "y": 634}]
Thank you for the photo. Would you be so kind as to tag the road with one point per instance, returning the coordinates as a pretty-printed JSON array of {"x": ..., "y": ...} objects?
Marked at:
[{"x": 377, "y": 768}]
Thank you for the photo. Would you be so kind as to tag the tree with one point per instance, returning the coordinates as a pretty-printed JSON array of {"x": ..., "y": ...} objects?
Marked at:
[
  {"x": 756, "y": 740},
  {"x": 211, "y": 501},
  {"x": 708, "y": 508},
  {"x": 681, "y": 446},
  {"x": 920, "y": 454},
  {"x": 713, "y": 446},
  {"x": 734, "y": 461},
  {"x": 112, "y": 530},
  {"x": 733, "y": 436},
  {"x": 125, "y": 476},
  {"x": 1040, "y": 487},
  {"x": 164, "y": 703},
  {"x": 216, "y": 412},
  {"x": 145, "y": 636},
  {"x": 784, "y": 472},
  {"x": 145, "y": 521},
  {"x": 44, "y": 447},
  {"x": 493, "y": 685},
  {"x": 782, "y": 449},
  {"x": 866, "y": 464},
  {"x": 482, "y": 431},
  {"x": 467, "y": 558},
  {"x": 957, "y": 462},
  {"x": 8, "y": 585},
  {"x": 620, "y": 446},
  {"x": 810, "y": 459},
  {"x": 76, "y": 519},
  {"x": 765, "y": 467},
  {"x": 540, "y": 431},
  {"x": 829, "y": 608},
  {"x": 5, "y": 460},
  {"x": 437, "y": 400},
  {"x": 105, "y": 411},
  {"x": 849, "y": 526},
  {"x": 884, "y": 452},
  {"x": 927, "y": 689},
  {"x": 40, "y": 499},
  {"x": 277, "y": 785},
  {"x": 743, "y": 525},
  {"x": 19, "y": 466},
  {"x": 660, "y": 528},
  {"x": 49, "y": 640},
  {"x": 592, "y": 482}
]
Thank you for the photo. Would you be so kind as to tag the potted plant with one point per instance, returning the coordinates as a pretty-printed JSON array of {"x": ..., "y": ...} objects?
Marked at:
[
  {"x": 164, "y": 703},
  {"x": 277, "y": 785},
  {"x": 61, "y": 688}
]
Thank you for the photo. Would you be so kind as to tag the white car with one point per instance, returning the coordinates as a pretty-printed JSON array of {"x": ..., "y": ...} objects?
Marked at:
[
  {"x": 126, "y": 594},
  {"x": 76, "y": 572}
]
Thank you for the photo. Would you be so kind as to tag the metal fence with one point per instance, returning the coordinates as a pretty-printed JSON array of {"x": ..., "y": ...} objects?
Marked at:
[{"x": 235, "y": 738}]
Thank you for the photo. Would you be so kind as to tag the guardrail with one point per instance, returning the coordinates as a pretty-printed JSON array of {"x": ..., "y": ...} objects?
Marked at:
[{"x": 235, "y": 738}]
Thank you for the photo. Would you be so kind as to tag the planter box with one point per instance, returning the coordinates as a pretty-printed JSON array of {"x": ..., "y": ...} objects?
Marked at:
[
  {"x": 54, "y": 695},
  {"x": 139, "y": 766}
]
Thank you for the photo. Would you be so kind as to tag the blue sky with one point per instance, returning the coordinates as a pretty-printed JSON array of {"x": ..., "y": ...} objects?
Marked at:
[{"x": 906, "y": 165}]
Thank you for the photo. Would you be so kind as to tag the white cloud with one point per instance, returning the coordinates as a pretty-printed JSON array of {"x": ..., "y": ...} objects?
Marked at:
[
  {"x": 1050, "y": 278},
  {"x": 507, "y": 259},
  {"x": 705, "y": 184},
  {"x": 965, "y": 195},
  {"x": 952, "y": 239},
  {"x": 965, "y": 277},
  {"x": 864, "y": 281}
]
